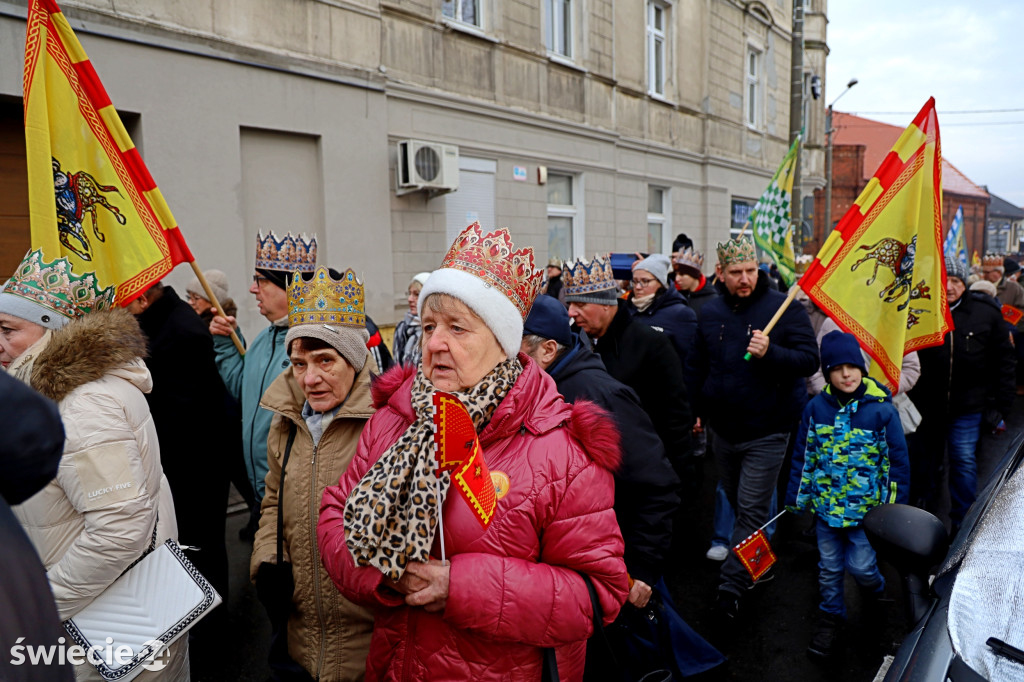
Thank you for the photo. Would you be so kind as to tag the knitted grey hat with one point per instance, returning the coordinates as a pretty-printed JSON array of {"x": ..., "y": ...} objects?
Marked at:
[{"x": 954, "y": 268}]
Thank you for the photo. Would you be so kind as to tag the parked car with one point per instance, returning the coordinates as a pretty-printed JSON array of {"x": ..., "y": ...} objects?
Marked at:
[{"x": 968, "y": 614}]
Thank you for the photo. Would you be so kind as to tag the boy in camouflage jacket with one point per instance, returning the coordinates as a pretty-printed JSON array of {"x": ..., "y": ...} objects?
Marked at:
[{"x": 850, "y": 455}]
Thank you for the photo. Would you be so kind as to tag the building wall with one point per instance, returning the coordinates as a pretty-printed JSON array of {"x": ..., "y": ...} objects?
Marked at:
[{"x": 230, "y": 95}]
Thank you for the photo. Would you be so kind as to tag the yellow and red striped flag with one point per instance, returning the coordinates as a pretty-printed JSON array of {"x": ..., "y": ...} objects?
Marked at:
[
  {"x": 91, "y": 198},
  {"x": 880, "y": 274}
]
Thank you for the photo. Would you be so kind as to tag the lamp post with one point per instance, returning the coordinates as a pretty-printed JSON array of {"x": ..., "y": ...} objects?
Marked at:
[{"x": 828, "y": 158}]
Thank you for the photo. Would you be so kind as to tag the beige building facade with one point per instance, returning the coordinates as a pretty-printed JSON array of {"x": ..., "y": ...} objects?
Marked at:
[{"x": 586, "y": 127}]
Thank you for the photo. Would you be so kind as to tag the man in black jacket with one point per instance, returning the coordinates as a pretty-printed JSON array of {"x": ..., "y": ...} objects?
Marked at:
[
  {"x": 646, "y": 487},
  {"x": 638, "y": 356},
  {"x": 966, "y": 383},
  {"x": 749, "y": 407},
  {"x": 30, "y": 452},
  {"x": 189, "y": 407}
]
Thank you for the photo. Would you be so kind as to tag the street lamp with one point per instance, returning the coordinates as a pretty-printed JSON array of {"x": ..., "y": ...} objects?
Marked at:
[{"x": 828, "y": 158}]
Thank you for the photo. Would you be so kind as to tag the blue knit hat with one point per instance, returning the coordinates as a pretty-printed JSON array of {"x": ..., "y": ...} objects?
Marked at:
[
  {"x": 840, "y": 348},
  {"x": 548, "y": 319}
]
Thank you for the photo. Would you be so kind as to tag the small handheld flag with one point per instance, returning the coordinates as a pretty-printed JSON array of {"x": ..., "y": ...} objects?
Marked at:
[
  {"x": 457, "y": 449},
  {"x": 955, "y": 245},
  {"x": 755, "y": 554},
  {"x": 1011, "y": 314}
]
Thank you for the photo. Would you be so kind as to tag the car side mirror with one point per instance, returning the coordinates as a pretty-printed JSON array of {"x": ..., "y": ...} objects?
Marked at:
[{"x": 910, "y": 539}]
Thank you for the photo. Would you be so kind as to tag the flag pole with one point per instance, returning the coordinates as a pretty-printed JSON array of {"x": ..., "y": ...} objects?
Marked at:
[
  {"x": 216, "y": 304},
  {"x": 778, "y": 313}
]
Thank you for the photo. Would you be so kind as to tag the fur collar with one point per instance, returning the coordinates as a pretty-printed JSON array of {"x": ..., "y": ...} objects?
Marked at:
[{"x": 85, "y": 350}]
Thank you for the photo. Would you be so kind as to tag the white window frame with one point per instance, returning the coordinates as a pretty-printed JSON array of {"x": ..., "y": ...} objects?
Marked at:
[
  {"x": 664, "y": 218},
  {"x": 554, "y": 27},
  {"x": 572, "y": 211},
  {"x": 753, "y": 87},
  {"x": 457, "y": 16},
  {"x": 657, "y": 38}
]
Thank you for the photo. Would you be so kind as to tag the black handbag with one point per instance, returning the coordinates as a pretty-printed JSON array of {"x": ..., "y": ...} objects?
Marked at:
[{"x": 275, "y": 586}]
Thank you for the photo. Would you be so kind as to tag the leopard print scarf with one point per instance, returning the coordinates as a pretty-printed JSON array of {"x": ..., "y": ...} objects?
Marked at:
[{"x": 391, "y": 514}]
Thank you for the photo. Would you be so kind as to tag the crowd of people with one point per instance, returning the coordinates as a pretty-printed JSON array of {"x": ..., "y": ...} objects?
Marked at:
[{"x": 596, "y": 400}]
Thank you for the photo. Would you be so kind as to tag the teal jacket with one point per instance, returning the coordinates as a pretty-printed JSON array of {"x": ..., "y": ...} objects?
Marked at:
[
  {"x": 848, "y": 459},
  {"x": 247, "y": 378}
]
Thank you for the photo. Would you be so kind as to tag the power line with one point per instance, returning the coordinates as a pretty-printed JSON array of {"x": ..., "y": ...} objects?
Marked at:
[{"x": 944, "y": 112}]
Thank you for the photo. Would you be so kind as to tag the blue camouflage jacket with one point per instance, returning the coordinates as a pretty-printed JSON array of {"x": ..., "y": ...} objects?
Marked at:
[{"x": 849, "y": 459}]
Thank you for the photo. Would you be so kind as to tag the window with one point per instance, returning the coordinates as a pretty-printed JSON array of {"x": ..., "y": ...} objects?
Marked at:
[
  {"x": 656, "y": 15},
  {"x": 741, "y": 209},
  {"x": 561, "y": 216},
  {"x": 753, "y": 91},
  {"x": 465, "y": 11},
  {"x": 808, "y": 98},
  {"x": 658, "y": 228},
  {"x": 558, "y": 27}
]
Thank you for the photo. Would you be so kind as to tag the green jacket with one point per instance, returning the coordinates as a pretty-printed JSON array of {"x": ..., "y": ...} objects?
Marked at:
[{"x": 247, "y": 378}]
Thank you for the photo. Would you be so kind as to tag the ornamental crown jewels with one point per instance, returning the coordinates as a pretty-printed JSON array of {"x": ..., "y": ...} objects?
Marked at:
[
  {"x": 54, "y": 286},
  {"x": 287, "y": 254},
  {"x": 325, "y": 300},
  {"x": 491, "y": 258},
  {"x": 739, "y": 250},
  {"x": 586, "y": 277}
]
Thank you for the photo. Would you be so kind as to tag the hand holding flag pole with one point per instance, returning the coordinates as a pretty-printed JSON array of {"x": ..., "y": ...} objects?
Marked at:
[{"x": 778, "y": 314}]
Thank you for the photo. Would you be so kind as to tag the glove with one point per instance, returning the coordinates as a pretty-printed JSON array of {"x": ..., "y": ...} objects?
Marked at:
[{"x": 992, "y": 420}]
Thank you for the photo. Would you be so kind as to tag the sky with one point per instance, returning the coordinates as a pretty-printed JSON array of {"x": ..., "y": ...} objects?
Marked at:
[{"x": 965, "y": 54}]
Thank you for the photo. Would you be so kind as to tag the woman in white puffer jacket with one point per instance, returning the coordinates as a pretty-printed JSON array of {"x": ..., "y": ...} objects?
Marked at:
[{"x": 98, "y": 515}]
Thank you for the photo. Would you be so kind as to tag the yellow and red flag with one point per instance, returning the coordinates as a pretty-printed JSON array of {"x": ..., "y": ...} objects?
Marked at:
[
  {"x": 880, "y": 274},
  {"x": 457, "y": 449},
  {"x": 91, "y": 198},
  {"x": 755, "y": 554}
]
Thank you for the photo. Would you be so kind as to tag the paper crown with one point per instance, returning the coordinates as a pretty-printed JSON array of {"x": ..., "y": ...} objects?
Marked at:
[
  {"x": 491, "y": 258},
  {"x": 690, "y": 260},
  {"x": 54, "y": 286},
  {"x": 325, "y": 300},
  {"x": 288, "y": 253},
  {"x": 739, "y": 250},
  {"x": 992, "y": 260},
  {"x": 581, "y": 278}
]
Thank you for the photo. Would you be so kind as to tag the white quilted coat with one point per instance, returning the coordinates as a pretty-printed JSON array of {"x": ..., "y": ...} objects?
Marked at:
[{"x": 97, "y": 516}]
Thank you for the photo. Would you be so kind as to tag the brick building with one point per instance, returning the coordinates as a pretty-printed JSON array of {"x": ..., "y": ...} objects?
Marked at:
[{"x": 859, "y": 146}]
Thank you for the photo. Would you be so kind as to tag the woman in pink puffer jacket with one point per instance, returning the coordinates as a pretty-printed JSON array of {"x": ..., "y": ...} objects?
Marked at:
[{"x": 512, "y": 589}]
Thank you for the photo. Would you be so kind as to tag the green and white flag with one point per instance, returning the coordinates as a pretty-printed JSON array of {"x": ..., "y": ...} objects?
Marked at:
[{"x": 770, "y": 219}]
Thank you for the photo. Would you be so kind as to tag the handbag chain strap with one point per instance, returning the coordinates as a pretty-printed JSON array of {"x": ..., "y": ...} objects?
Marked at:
[{"x": 280, "y": 494}]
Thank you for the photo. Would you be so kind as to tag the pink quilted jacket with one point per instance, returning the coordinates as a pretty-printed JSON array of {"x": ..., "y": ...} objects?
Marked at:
[{"x": 514, "y": 588}]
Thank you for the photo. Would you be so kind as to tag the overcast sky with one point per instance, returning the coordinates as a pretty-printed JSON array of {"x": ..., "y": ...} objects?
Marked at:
[{"x": 965, "y": 54}]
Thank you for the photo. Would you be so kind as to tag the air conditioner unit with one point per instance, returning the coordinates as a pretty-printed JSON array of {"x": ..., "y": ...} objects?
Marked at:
[{"x": 427, "y": 165}]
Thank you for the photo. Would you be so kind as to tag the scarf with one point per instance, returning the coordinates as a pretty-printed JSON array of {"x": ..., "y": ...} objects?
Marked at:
[
  {"x": 642, "y": 303},
  {"x": 391, "y": 515},
  {"x": 407, "y": 340}
]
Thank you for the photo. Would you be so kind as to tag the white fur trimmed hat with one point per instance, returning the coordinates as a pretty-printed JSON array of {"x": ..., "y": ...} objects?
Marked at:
[{"x": 495, "y": 281}]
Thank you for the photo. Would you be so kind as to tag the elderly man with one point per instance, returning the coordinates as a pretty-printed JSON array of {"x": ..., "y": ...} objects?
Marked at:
[
  {"x": 750, "y": 407},
  {"x": 965, "y": 383},
  {"x": 645, "y": 486},
  {"x": 248, "y": 376},
  {"x": 320, "y": 408},
  {"x": 1009, "y": 292},
  {"x": 635, "y": 354}
]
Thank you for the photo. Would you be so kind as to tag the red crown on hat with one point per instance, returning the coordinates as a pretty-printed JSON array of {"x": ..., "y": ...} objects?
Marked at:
[{"x": 491, "y": 258}]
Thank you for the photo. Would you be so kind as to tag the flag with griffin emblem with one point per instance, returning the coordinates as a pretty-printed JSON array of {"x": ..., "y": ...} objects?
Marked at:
[
  {"x": 880, "y": 274},
  {"x": 91, "y": 198},
  {"x": 770, "y": 219},
  {"x": 457, "y": 449},
  {"x": 955, "y": 245}
]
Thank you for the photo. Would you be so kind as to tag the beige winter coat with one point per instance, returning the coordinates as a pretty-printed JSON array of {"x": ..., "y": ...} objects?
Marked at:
[
  {"x": 327, "y": 634},
  {"x": 97, "y": 516}
]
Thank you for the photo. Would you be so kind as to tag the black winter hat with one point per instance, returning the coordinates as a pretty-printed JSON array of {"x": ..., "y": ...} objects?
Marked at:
[{"x": 840, "y": 348}]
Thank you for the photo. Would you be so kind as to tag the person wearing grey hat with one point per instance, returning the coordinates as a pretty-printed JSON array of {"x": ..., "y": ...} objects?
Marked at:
[
  {"x": 661, "y": 306},
  {"x": 408, "y": 331},
  {"x": 321, "y": 405},
  {"x": 197, "y": 297},
  {"x": 966, "y": 384}
]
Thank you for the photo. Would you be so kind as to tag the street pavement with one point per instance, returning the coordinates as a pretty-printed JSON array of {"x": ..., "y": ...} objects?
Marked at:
[{"x": 768, "y": 641}]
